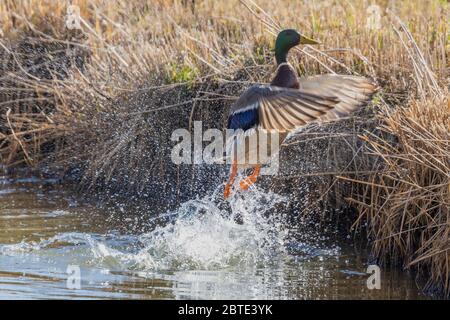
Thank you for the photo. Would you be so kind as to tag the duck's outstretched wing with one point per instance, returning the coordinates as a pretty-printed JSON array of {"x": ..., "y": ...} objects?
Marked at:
[
  {"x": 276, "y": 108},
  {"x": 284, "y": 109},
  {"x": 353, "y": 92}
]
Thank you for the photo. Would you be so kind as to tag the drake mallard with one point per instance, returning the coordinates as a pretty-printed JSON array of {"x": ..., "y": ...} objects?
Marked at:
[{"x": 288, "y": 103}]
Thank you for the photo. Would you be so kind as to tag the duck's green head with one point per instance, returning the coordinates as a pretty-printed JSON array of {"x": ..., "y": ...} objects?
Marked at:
[{"x": 287, "y": 39}]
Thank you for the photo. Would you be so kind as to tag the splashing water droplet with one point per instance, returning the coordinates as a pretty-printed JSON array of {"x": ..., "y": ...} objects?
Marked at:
[{"x": 203, "y": 235}]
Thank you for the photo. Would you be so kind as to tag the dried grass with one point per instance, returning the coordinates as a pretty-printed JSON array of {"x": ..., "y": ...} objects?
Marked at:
[{"x": 406, "y": 202}]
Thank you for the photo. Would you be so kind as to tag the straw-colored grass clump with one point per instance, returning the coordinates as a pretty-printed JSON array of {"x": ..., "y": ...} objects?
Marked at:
[
  {"x": 406, "y": 201},
  {"x": 100, "y": 102}
]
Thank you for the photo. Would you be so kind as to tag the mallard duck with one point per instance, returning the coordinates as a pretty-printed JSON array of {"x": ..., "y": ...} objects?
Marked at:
[{"x": 288, "y": 103}]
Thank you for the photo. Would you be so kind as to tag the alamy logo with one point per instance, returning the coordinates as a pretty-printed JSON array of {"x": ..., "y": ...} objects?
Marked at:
[
  {"x": 73, "y": 17},
  {"x": 74, "y": 277},
  {"x": 254, "y": 146},
  {"x": 374, "y": 280}
]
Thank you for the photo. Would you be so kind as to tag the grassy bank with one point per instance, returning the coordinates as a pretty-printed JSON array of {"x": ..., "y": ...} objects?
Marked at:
[{"x": 100, "y": 103}]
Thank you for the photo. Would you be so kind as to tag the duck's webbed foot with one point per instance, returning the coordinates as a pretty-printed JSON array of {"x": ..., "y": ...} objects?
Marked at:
[
  {"x": 251, "y": 179},
  {"x": 227, "y": 191}
]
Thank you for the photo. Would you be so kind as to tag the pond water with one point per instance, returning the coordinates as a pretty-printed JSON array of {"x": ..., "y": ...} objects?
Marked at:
[{"x": 53, "y": 245}]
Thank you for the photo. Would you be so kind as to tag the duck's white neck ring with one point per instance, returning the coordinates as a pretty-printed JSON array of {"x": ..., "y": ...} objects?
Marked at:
[{"x": 282, "y": 64}]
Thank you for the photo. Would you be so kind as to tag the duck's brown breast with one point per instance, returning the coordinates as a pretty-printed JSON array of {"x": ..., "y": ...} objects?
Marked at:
[{"x": 285, "y": 77}]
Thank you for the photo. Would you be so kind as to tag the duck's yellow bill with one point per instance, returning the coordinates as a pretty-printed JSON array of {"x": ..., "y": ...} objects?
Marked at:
[{"x": 306, "y": 40}]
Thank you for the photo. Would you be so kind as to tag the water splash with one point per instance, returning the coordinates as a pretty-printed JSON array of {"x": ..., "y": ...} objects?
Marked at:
[
  {"x": 208, "y": 233},
  {"x": 207, "y": 249}
]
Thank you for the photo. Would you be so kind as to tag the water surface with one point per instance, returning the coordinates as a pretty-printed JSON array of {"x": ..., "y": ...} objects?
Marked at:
[{"x": 206, "y": 249}]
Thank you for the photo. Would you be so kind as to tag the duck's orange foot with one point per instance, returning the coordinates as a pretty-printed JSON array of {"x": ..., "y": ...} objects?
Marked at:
[
  {"x": 251, "y": 179},
  {"x": 227, "y": 191},
  {"x": 247, "y": 182}
]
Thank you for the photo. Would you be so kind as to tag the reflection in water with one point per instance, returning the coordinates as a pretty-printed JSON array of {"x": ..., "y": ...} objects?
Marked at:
[{"x": 207, "y": 249}]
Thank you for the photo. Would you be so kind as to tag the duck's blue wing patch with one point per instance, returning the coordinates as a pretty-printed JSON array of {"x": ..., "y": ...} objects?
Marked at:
[{"x": 243, "y": 120}]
